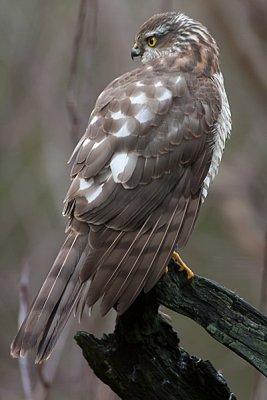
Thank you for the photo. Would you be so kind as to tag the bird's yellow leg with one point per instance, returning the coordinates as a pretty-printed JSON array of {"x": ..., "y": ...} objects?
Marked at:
[{"x": 183, "y": 266}]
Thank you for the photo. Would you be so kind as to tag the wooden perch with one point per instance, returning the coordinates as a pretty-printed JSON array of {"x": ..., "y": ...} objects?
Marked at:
[
  {"x": 142, "y": 358},
  {"x": 225, "y": 316}
]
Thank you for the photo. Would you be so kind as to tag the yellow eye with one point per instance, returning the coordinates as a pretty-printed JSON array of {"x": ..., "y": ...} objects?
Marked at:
[{"x": 152, "y": 41}]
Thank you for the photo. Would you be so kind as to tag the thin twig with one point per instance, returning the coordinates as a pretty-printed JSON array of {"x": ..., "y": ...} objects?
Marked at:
[
  {"x": 47, "y": 370},
  {"x": 23, "y": 310},
  {"x": 75, "y": 119},
  {"x": 90, "y": 32},
  {"x": 85, "y": 28},
  {"x": 84, "y": 44}
]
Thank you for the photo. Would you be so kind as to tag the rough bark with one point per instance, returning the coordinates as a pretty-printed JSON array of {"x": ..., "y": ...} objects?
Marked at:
[{"x": 143, "y": 359}]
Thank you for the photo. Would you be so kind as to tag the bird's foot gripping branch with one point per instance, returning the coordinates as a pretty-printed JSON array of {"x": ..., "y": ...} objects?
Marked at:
[{"x": 143, "y": 359}]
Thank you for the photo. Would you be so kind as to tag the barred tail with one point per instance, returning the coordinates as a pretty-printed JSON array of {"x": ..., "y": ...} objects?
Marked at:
[{"x": 54, "y": 302}]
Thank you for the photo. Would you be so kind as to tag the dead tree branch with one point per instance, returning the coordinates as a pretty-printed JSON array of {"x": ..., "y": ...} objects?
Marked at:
[{"x": 142, "y": 358}]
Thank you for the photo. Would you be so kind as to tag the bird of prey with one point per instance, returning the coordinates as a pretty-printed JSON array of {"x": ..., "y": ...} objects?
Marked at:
[{"x": 143, "y": 168}]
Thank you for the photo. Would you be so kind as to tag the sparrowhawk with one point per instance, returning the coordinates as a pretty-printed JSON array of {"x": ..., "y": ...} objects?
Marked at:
[{"x": 142, "y": 169}]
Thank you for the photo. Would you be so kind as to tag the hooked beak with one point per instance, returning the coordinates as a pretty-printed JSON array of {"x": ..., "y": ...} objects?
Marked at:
[{"x": 135, "y": 52}]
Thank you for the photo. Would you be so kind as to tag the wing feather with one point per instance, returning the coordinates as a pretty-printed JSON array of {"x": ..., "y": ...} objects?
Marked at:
[{"x": 155, "y": 141}]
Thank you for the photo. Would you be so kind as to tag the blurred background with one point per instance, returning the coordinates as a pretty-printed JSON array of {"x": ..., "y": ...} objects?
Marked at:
[{"x": 56, "y": 57}]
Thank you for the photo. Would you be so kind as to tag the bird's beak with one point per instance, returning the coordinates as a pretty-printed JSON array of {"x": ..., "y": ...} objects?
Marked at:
[{"x": 135, "y": 52}]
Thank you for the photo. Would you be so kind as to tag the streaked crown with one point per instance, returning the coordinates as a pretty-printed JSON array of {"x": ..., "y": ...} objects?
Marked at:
[{"x": 174, "y": 34}]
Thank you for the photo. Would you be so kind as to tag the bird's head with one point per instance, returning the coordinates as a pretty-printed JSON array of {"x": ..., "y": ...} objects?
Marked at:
[{"x": 173, "y": 34}]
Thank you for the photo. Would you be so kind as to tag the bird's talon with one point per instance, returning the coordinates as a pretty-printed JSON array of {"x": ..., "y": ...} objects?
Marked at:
[{"x": 183, "y": 266}]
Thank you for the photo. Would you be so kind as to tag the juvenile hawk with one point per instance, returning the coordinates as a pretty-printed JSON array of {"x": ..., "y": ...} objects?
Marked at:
[{"x": 143, "y": 167}]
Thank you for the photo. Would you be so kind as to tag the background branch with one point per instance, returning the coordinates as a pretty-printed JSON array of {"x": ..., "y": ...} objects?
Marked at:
[
  {"x": 74, "y": 115},
  {"x": 84, "y": 41},
  {"x": 23, "y": 310},
  {"x": 39, "y": 388}
]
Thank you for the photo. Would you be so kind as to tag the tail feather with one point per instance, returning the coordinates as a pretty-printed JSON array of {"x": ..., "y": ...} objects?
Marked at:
[
  {"x": 127, "y": 270},
  {"x": 107, "y": 274},
  {"x": 153, "y": 265},
  {"x": 55, "y": 327},
  {"x": 52, "y": 306}
]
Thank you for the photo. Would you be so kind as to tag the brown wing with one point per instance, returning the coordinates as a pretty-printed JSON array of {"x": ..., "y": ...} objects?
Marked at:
[
  {"x": 138, "y": 177},
  {"x": 136, "y": 191}
]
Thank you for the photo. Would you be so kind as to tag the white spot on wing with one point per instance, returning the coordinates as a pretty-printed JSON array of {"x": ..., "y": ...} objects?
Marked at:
[
  {"x": 139, "y": 84},
  {"x": 117, "y": 115},
  {"x": 123, "y": 131},
  {"x": 93, "y": 194},
  {"x": 165, "y": 95},
  {"x": 144, "y": 115},
  {"x": 118, "y": 164},
  {"x": 158, "y": 84},
  {"x": 86, "y": 184},
  {"x": 138, "y": 98}
]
